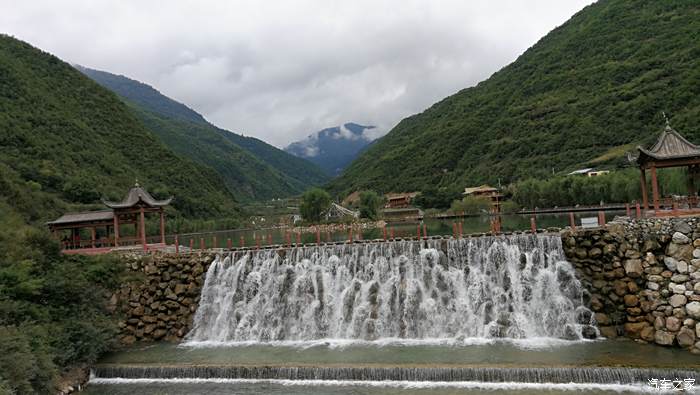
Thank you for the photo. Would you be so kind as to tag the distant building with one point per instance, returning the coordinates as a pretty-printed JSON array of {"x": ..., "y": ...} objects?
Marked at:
[
  {"x": 588, "y": 172},
  {"x": 486, "y": 192},
  {"x": 399, "y": 200}
]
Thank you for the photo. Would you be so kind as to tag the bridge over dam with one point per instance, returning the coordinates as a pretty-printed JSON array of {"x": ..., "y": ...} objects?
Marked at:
[{"x": 631, "y": 278}]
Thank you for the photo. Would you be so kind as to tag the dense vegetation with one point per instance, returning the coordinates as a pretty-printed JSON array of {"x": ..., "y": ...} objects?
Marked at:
[
  {"x": 64, "y": 135},
  {"x": 66, "y": 142},
  {"x": 583, "y": 95},
  {"x": 250, "y": 168},
  {"x": 370, "y": 203}
]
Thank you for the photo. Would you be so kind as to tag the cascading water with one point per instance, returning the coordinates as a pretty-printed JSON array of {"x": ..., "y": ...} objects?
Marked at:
[{"x": 516, "y": 287}]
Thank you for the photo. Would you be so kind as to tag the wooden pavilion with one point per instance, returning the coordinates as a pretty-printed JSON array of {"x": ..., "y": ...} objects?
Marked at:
[
  {"x": 131, "y": 210},
  {"x": 670, "y": 150}
]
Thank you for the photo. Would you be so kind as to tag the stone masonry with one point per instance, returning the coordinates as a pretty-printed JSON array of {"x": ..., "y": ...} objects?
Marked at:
[{"x": 643, "y": 277}]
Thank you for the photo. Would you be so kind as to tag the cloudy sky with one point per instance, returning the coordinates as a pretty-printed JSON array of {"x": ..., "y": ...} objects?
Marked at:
[{"x": 279, "y": 70}]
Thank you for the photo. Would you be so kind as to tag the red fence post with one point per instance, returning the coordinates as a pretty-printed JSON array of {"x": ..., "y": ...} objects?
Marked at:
[
  {"x": 191, "y": 244},
  {"x": 572, "y": 221},
  {"x": 269, "y": 238},
  {"x": 201, "y": 243},
  {"x": 359, "y": 233},
  {"x": 601, "y": 218},
  {"x": 299, "y": 238},
  {"x": 533, "y": 225},
  {"x": 229, "y": 244},
  {"x": 215, "y": 242},
  {"x": 675, "y": 208},
  {"x": 460, "y": 229},
  {"x": 627, "y": 209},
  {"x": 350, "y": 234},
  {"x": 177, "y": 245},
  {"x": 454, "y": 230},
  {"x": 318, "y": 236},
  {"x": 242, "y": 242}
]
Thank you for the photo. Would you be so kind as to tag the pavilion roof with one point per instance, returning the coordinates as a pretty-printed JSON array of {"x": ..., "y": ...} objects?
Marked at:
[
  {"x": 138, "y": 194},
  {"x": 85, "y": 216},
  {"x": 479, "y": 189},
  {"x": 670, "y": 145}
]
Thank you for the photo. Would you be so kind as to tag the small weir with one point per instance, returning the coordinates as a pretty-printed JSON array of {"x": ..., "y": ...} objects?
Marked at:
[{"x": 599, "y": 375}]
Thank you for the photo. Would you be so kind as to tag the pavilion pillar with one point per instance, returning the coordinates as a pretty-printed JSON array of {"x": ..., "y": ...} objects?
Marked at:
[
  {"x": 92, "y": 236},
  {"x": 116, "y": 230},
  {"x": 142, "y": 225},
  {"x": 645, "y": 198},
  {"x": 162, "y": 226},
  {"x": 655, "y": 189}
]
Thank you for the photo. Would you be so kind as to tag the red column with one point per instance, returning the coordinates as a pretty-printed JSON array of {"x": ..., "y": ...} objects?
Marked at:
[
  {"x": 628, "y": 211},
  {"x": 142, "y": 224},
  {"x": 201, "y": 243},
  {"x": 572, "y": 221},
  {"x": 655, "y": 189},
  {"x": 645, "y": 198},
  {"x": 533, "y": 225},
  {"x": 191, "y": 245},
  {"x": 162, "y": 226},
  {"x": 116, "y": 230},
  {"x": 229, "y": 245}
]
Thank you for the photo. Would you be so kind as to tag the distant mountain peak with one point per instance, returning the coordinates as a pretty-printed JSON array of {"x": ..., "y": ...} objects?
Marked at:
[{"x": 334, "y": 148}]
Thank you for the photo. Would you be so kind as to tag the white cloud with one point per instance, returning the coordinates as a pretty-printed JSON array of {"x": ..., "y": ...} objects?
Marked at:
[{"x": 279, "y": 70}]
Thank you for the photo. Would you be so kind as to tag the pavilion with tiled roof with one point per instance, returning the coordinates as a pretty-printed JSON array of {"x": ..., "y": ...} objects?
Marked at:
[
  {"x": 131, "y": 210},
  {"x": 670, "y": 150}
]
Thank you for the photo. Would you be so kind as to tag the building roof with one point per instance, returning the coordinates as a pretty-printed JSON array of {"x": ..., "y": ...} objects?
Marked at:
[
  {"x": 410, "y": 195},
  {"x": 479, "y": 189},
  {"x": 85, "y": 216},
  {"x": 581, "y": 171},
  {"x": 670, "y": 145},
  {"x": 138, "y": 194}
]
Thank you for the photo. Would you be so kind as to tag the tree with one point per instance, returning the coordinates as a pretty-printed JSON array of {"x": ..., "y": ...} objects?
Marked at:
[
  {"x": 369, "y": 205},
  {"x": 313, "y": 203}
]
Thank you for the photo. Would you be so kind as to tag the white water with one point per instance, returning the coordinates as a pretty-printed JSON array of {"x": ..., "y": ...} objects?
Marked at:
[{"x": 515, "y": 287}]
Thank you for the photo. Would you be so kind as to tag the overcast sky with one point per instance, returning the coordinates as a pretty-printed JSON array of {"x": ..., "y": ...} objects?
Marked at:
[{"x": 280, "y": 70}]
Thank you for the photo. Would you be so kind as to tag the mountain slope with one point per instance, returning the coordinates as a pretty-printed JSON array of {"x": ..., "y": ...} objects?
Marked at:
[
  {"x": 66, "y": 142},
  {"x": 584, "y": 94},
  {"x": 332, "y": 149},
  {"x": 251, "y": 168}
]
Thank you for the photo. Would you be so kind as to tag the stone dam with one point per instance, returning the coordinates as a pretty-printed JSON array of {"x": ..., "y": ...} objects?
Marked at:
[{"x": 637, "y": 279}]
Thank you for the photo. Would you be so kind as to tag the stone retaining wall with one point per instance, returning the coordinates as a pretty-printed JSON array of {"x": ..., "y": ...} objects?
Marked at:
[
  {"x": 644, "y": 278},
  {"x": 159, "y": 299}
]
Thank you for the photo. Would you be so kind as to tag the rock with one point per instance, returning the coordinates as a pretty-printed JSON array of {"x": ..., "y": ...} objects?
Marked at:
[
  {"x": 671, "y": 263},
  {"x": 631, "y": 300},
  {"x": 678, "y": 300},
  {"x": 696, "y": 288},
  {"x": 581, "y": 253},
  {"x": 633, "y": 329},
  {"x": 128, "y": 340},
  {"x": 682, "y": 267},
  {"x": 589, "y": 332},
  {"x": 647, "y": 334},
  {"x": 682, "y": 227},
  {"x": 180, "y": 289},
  {"x": 602, "y": 319},
  {"x": 633, "y": 268},
  {"x": 683, "y": 252},
  {"x": 159, "y": 333},
  {"x": 620, "y": 287},
  {"x": 673, "y": 324},
  {"x": 663, "y": 338},
  {"x": 685, "y": 337},
  {"x": 679, "y": 278},
  {"x": 609, "y": 332},
  {"x": 653, "y": 286},
  {"x": 680, "y": 238},
  {"x": 696, "y": 251},
  {"x": 693, "y": 309},
  {"x": 659, "y": 323}
]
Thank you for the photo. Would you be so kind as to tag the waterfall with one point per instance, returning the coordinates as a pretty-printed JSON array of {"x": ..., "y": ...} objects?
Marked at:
[{"x": 509, "y": 287}]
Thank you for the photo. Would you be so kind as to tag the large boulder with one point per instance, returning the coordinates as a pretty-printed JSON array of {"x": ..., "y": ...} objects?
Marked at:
[
  {"x": 663, "y": 338},
  {"x": 680, "y": 238},
  {"x": 686, "y": 337},
  {"x": 678, "y": 300}
]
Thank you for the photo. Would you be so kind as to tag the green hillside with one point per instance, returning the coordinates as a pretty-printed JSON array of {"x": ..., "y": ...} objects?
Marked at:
[
  {"x": 583, "y": 95},
  {"x": 66, "y": 142},
  {"x": 250, "y": 168}
]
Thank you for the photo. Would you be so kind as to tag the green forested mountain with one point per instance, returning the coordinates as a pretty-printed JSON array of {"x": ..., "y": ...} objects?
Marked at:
[
  {"x": 251, "y": 168},
  {"x": 66, "y": 141},
  {"x": 584, "y": 94}
]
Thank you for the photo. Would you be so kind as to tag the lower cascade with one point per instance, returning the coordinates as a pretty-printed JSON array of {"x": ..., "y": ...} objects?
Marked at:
[{"x": 511, "y": 287}]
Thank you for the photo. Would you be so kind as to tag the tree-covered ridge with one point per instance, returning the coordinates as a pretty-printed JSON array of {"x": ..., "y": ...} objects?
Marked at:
[
  {"x": 69, "y": 141},
  {"x": 251, "y": 168},
  {"x": 584, "y": 94}
]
